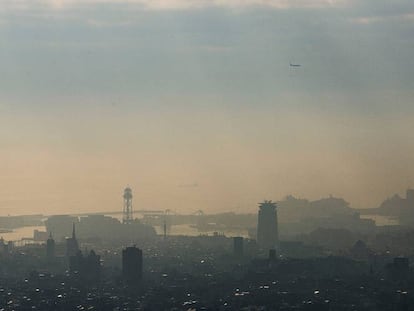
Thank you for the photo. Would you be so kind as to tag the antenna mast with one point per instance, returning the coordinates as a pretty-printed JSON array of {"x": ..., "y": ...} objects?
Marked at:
[{"x": 127, "y": 217}]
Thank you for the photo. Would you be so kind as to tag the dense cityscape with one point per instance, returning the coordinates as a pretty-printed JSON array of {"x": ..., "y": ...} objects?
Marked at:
[
  {"x": 336, "y": 260},
  {"x": 206, "y": 155}
]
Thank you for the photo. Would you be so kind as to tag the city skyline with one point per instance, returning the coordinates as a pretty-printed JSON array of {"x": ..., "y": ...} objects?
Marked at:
[{"x": 206, "y": 155}]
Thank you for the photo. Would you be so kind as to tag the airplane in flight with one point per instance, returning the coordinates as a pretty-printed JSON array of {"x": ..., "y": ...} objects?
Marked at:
[{"x": 294, "y": 65}]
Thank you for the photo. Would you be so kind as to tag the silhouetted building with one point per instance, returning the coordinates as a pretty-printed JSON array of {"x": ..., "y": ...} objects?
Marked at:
[
  {"x": 272, "y": 254},
  {"x": 50, "y": 247},
  {"x": 10, "y": 246},
  {"x": 39, "y": 235},
  {"x": 399, "y": 268},
  {"x": 93, "y": 265},
  {"x": 86, "y": 268},
  {"x": 4, "y": 247},
  {"x": 165, "y": 229},
  {"x": 410, "y": 197},
  {"x": 75, "y": 262},
  {"x": 401, "y": 264},
  {"x": 132, "y": 264},
  {"x": 101, "y": 227},
  {"x": 61, "y": 226},
  {"x": 72, "y": 246},
  {"x": 238, "y": 246},
  {"x": 360, "y": 251},
  {"x": 398, "y": 206},
  {"x": 267, "y": 231}
]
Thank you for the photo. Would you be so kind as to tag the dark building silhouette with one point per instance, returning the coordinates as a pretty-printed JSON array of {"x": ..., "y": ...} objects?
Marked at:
[
  {"x": 50, "y": 247},
  {"x": 61, "y": 226},
  {"x": 272, "y": 254},
  {"x": 39, "y": 235},
  {"x": 132, "y": 265},
  {"x": 86, "y": 268},
  {"x": 360, "y": 251},
  {"x": 10, "y": 246},
  {"x": 398, "y": 206},
  {"x": 238, "y": 248},
  {"x": 410, "y": 196},
  {"x": 72, "y": 246},
  {"x": 99, "y": 227},
  {"x": 401, "y": 263},
  {"x": 165, "y": 229},
  {"x": 267, "y": 231},
  {"x": 2, "y": 243},
  {"x": 399, "y": 268},
  {"x": 5, "y": 248}
]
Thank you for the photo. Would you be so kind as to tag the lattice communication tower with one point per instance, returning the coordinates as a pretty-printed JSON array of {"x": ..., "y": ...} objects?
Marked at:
[{"x": 127, "y": 217}]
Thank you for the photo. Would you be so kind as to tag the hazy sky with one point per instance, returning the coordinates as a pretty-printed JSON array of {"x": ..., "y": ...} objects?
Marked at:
[{"x": 194, "y": 105}]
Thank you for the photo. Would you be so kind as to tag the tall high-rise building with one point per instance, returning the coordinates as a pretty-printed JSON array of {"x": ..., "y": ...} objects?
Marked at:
[
  {"x": 238, "y": 246},
  {"x": 50, "y": 247},
  {"x": 72, "y": 246},
  {"x": 267, "y": 231},
  {"x": 132, "y": 264}
]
